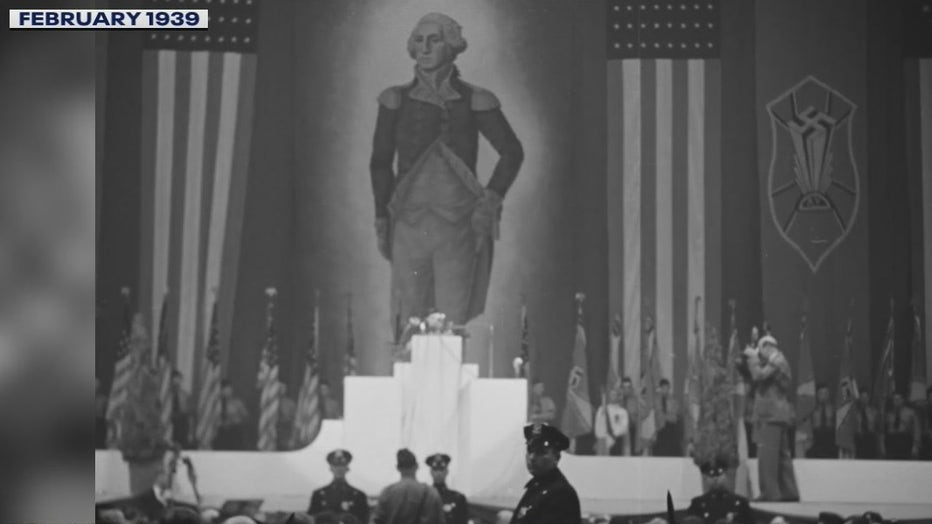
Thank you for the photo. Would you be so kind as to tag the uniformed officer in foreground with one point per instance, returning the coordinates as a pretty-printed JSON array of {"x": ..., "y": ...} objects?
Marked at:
[
  {"x": 548, "y": 498},
  {"x": 455, "y": 508},
  {"x": 719, "y": 503},
  {"x": 337, "y": 501}
]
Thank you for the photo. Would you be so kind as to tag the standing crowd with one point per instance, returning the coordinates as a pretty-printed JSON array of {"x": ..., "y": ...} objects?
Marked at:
[{"x": 851, "y": 428}]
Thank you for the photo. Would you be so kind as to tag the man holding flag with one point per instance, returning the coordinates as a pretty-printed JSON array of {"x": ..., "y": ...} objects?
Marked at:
[{"x": 774, "y": 416}]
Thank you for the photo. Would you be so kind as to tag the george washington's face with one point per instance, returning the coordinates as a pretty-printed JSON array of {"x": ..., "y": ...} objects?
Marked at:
[{"x": 430, "y": 49}]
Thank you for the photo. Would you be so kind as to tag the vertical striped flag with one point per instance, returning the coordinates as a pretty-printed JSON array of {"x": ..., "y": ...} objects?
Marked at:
[
  {"x": 164, "y": 368},
  {"x": 196, "y": 120},
  {"x": 884, "y": 380},
  {"x": 692, "y": 388},
  {"x": 739, "y": 397},
  {"x": 349, "y": 359},
  {"x": 524, "y": 371},
  {"x": 917, "y": 385},
  {"x": 845, "y": 419},
  {"x": 918, "y": 108},
  {"x": 664, "y": 172},
  {"x": 847, "y": 383},
  {"x": 308, "y": 417},
  {"x": 613, "y": 377},
  {"x": 122, "y": 374},
  {"x": 208, "y": 402},
  {"x": 577, "y": 413},
  {"x": 650, "y": 377},
  {"x": 805, "y": 392},
  {"x": 268, "y": 380}
]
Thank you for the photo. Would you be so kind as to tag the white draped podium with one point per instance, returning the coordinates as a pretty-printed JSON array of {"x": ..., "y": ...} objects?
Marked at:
[{"x": 431, "y": 400}]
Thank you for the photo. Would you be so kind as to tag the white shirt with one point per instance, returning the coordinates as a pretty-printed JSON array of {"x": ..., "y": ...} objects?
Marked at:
[{"x": 617, "y": 417}]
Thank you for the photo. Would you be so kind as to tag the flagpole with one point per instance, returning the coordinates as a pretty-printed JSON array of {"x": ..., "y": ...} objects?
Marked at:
[{"x": 491, "y": 350}]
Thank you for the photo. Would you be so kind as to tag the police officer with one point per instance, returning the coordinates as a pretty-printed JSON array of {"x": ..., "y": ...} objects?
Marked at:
[
  {"x": 548, "y": 498},
  {"x": 455, "y": 508},
  {"x": 718, "y": 503},
  {"x": 338, "y": 501}
]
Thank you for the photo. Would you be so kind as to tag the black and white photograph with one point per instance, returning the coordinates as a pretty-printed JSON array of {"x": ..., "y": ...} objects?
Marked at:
[{"x": 523, "y": 261}]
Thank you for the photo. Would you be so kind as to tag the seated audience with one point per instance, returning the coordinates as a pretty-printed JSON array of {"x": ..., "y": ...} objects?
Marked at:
[{"x": 180, "y": 515}]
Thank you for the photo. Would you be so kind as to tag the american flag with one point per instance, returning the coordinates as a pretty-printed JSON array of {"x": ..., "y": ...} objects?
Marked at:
[
  {"x": 268, "y": 380},
  {"x": 664, "y": 173},
  {"x": 208, "y": 402},
  {"x": 122, "y": 374},
  {"x": 196, "y": 122},
  {"x": 165, "y": 372},
  {"x": 308, "y": 418},
  {"x": 885, "y": 382},
  {"x": 349, "y": 360}
]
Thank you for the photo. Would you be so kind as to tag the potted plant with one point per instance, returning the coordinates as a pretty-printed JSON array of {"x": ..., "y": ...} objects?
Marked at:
[
  {"x": 141, "y": 437},
  {"x": 716, "y": 440}
]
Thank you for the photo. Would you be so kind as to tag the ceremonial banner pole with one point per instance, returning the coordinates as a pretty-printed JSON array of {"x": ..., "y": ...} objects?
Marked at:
[{"x": 491, "y": 350}]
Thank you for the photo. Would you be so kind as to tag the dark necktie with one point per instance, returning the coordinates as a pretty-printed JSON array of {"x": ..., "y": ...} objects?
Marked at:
[
  {"x": 663, "y": 403},
  {"x": 223, "y": 411},
  {"x": 864, "y": 427},
  {"x": 176, "y": 404},
  {"x": 824, "y": 417},
  {"x": 896, "y": 421}
]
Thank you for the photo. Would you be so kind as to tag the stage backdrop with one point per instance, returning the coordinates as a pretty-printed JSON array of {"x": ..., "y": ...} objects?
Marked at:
[
  {"x": 746, "y": 123},
  {"x": 525, "y": 52}
]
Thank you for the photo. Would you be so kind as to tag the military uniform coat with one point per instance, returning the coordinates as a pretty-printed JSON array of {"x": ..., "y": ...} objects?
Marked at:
[
  {"x": 416, "y": 126},
  {"x": 339, "y": 497},
  {"x": 455, "y": 507},
  {"x": 548, "y": 499},
  {"x": 717, "y": 504}
]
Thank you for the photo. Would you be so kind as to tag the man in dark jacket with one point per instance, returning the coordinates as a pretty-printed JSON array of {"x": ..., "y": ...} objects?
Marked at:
[
  {"x": 549, "y": 498},
  {"x": 408, "y": 501},
  {"x": 434, "y": 221},
  {"x": 338, "y": 497},
  {"x": 455, "y": 507},
  {"x": 718, "y": 503}
]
